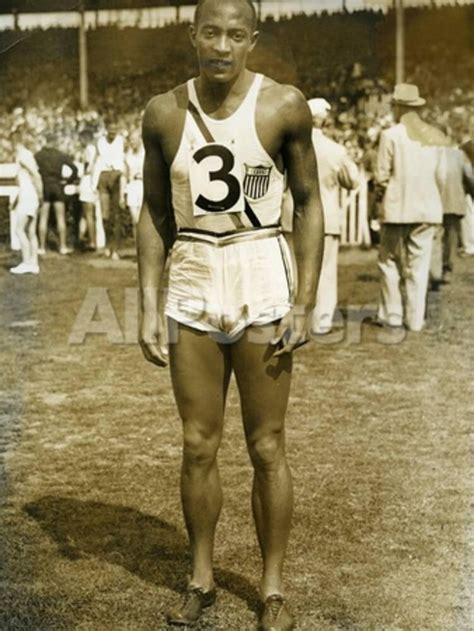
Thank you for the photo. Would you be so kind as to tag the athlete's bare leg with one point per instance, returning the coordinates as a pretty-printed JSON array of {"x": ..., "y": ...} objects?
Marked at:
[
  {"x": 21, "y": 229},
  {"x": 33, "y": 241},
  {"x": 135, "y": 214},
  {"x": 89, "y": 214},
  {"x": 60, "y": 210},
  {"x": 200, "y": 372},
  {"x": 105, "y": 210},
  {"x": 264, "y": 386},
  {"x": 43, "y": 225}
]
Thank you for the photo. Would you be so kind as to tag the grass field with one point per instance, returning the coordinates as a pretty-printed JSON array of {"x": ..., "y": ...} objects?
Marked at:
[{"x": 91, "y": 533}]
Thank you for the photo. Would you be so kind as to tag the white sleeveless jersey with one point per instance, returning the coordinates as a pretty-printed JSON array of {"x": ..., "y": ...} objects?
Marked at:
[
  {"x": 229, "y": 183},
  {"x": 134, "y": 163}
]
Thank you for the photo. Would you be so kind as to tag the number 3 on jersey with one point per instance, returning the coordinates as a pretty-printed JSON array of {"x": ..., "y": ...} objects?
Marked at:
[{"x": 216, "y": 180}]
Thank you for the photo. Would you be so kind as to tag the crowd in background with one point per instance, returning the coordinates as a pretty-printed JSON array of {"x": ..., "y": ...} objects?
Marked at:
[
  {"x": 40, "y": 99},
  {"x": 305, "y": 51}
]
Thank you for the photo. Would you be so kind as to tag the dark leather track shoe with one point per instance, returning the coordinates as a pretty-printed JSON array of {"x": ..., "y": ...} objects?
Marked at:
[
  {"x": 190, "y": 609},
  {"x": 275, "y": 615}
]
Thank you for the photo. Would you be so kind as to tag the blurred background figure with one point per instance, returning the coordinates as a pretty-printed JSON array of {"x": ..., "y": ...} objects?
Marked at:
[
  {"x": 108, "y": 179},
  {"x": 56, "y": 169},
  {"x": 87, "y": 194},
  {"x": 453, "y": 197},
  {"x": 30, "y": 193},
  {"x": 411, "y": 167},
  {"x": 335, "y": 170},
  {"x": 369, "y": 166},
  {"x": 348, "y": 71},
  {"x": 467, "y": 225},
  {"x": 134, "y": 159}
]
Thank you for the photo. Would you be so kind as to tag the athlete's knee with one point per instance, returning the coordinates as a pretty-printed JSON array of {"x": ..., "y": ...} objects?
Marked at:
[
  {"x": 105, "y": 207},
  {"x": 30, "y": 228},
  {"x": 266, "y": 449},
  {"x": 199, "y": 446}
]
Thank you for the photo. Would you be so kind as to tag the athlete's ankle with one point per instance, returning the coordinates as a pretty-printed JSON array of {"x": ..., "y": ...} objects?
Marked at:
[
  {"x": 270, "y": 587},
  {"x": 203, "y": 580}
]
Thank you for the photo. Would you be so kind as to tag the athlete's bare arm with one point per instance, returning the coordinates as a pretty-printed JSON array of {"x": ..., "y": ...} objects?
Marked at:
[
  {"x": 155, "y": 230},
  {"x": 34, "y": 173},
  {"x": 308, "y": 223}
]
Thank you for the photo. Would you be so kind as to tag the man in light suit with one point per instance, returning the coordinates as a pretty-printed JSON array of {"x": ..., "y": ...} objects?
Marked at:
[
  {"x": 453, "y": 196},
  {"x": 467, "y": 224},
  {"x": 335, "y": 169},
  {"x": 411, "y": 167}
]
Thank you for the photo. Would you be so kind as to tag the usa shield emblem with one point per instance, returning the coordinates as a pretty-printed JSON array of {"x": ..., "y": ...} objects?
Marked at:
[{"x": 256, "y": 181}]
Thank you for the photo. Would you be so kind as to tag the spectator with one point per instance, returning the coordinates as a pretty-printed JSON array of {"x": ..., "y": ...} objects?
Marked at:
[
  {"x": 369, "y": 166},
  {"x": 467, "y": 227},
  {"x": 108, "y": 178},
  {"x": 30, "y": 192},
  {"x": 87, "y": 194},
  {"x": 335, "y": 170},
  {"x": 56, "y": 168},
  {"x": 454, "y": 202},
  {"x": 134, "y": 159},
  {"x": 410, "y": 166}
]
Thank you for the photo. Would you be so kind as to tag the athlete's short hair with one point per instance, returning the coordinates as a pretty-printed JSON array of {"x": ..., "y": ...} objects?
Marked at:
[
  {"x": 110, "y": 119},
  {"x": 16, "y": 136},
  {"x": 86, "y": 133},
  {"x": 50, "y": 138},
  {"x": 248, "y": 3}
]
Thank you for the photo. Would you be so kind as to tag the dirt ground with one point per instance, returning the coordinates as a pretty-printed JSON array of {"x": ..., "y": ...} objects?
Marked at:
[{"x": 91, "y": 532}]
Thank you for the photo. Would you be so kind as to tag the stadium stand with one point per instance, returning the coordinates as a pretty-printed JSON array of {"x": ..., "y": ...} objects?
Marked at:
[{"x": 346, "y": 58}]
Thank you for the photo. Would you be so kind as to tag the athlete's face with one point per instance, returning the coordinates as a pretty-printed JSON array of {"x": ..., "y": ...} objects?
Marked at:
[
  {"x": 135, "y": 142},
  {"x": 86, "y": 140},
  {"x": 223, "y": 37},
  {"x": 112, "y": 131}
]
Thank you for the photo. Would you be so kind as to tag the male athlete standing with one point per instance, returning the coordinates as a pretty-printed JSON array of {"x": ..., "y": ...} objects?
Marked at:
[{"x": 217, "y": 149}]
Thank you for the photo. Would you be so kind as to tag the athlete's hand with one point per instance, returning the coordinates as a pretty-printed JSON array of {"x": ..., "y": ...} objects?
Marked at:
[
  {"x": 152, "y": 338},
  {"x": 292, "y": 332}
]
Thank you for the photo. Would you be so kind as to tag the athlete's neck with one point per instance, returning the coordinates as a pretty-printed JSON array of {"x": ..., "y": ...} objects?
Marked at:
[{"x": 213, "y": 95}]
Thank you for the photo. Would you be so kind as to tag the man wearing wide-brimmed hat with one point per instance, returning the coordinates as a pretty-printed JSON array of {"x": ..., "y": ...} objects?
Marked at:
[{"x": 410, "y": 164}]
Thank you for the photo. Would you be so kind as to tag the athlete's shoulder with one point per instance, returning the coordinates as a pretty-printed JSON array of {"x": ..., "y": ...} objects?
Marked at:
[
  {"x": 288, "y": 103},
  {"x": 25, "y": 154},
  {"x": 284, "y": 94},
  {"x": 164, "y": 110}
]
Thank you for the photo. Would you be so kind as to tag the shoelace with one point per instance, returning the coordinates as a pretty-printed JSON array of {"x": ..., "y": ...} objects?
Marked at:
[
  {"x": 191, "y": 594},
  {"x": 275, "y": 603}
]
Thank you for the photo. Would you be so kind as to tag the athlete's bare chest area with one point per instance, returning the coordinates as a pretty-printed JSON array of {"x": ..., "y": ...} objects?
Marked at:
[{"x": 268, "y": 126}]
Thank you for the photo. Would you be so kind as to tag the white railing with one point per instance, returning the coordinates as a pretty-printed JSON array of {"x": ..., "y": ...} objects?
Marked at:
[
  {"x": 354, "y": 215},
  {"x": 353, "y": 207},
  {"x": 8, "y": 188}
]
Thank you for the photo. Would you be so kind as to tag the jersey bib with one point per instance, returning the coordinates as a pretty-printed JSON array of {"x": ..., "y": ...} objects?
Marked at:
[
  {"x": 222, "y": 178},
  {"x": 215, "y": 174}
]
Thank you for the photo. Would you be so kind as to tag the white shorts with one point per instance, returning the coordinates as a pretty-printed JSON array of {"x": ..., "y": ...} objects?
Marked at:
[
  {"x": 27, "y": 207},
  {"x": 223, "y": 284},
  {"x": 134, "y": 194},
  {"x": 87, "y": 193}
]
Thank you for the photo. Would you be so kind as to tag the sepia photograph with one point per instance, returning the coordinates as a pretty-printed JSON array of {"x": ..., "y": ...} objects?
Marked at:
[{"x": 236, "y": 315}]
